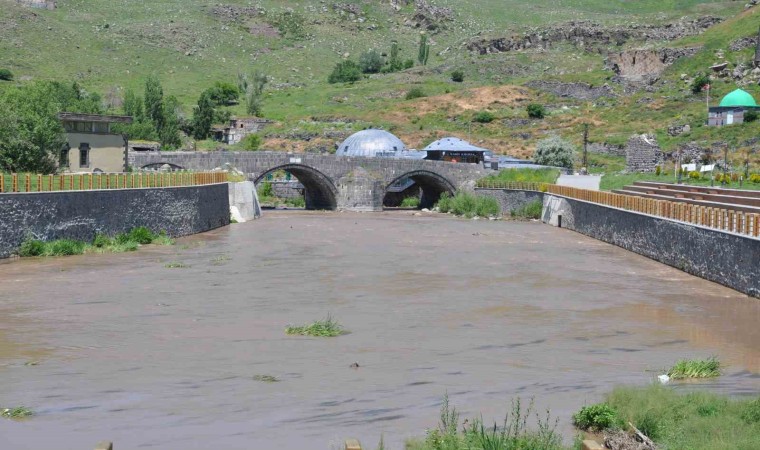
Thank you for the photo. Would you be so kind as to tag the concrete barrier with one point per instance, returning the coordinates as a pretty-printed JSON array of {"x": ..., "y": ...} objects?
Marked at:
[
  {"x": 244, "y": 201},
  {"x": 80, "y": 215}
]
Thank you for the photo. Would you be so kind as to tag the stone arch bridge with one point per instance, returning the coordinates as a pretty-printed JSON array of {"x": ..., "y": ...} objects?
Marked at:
[{"x": 330, "y": 182}]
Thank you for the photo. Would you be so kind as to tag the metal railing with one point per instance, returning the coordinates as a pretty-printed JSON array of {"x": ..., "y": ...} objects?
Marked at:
[
  {"x": 724, "y": 219},
  {"x": 93, "y": 181}
]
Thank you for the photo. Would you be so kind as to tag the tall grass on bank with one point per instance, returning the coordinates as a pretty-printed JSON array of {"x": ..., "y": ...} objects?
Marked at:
[
  {"x": 695, "y": 368},
  {"x": 524, "y": 176},
  {"x": 410, "y": 202},
  {"x": 469, "y": 205},
  {"x": 530, "y": 210},
  {"x": 694, "y": 420},
  {"x": 512, "y": 433},
  {"x": 123, "y": 242},
  {"x": 328, "y": 327}
]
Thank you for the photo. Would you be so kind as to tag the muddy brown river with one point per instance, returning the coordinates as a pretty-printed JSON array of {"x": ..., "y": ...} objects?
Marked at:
[{"x": 122, "y": 348}]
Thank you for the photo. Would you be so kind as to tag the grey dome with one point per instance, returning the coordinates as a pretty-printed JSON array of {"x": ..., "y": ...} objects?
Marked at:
[
  {"x": 453, "y": 144},
  {"x": 371, "y": 143}
]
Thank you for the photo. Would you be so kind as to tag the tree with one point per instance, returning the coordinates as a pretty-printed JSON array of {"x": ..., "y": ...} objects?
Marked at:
[
  {"x": 750, "y": 116},
  {"x": 133, "y": 106},
  {"x": 154, "y": 102},
  {"x": 252, "y": 142},
  {"x": 424, "y": 50},
  {"x": 170, "y": 138},
  {"x": 31, "y": 135},
  {"x": 554, "y": 151},
  {"x": 699, "y": 82},
  {"x": 345, "y": 72},
  {"x": 371, "y": 61},
  {"x": 224, "y": 94},
  {"x": 203, "y": 116},
  {"x": 254, "y": 93},
  {"x": 457, "y": 76},
  {"x": 536, "y": 111},
  {"x": 394, "y": 62}
]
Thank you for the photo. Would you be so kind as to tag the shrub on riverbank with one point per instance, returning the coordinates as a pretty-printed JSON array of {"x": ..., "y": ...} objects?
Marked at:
[
  {"x": 597, "y": 418},
  {"x": 123, "y": 242},
  {"x": 530, "y": 210},
  {"x": 410, "y": 202},
  {"x": 512, "y": 433},
  {"x": 469, "y": 205},
  {"x": 523, "y": 176}
]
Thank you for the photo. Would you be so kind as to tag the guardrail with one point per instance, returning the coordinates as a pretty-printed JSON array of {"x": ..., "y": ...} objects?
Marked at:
[
  {"x": 724, "y": 219},
  {"x": 91, "y": 181}
]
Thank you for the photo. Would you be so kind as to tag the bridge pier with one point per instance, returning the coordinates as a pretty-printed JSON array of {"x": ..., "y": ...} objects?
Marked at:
[{"x": 360, "y": 190}]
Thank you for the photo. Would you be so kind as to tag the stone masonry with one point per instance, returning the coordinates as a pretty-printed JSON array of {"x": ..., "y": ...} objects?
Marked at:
[
  {"x": 642, "y": 153},
  {"x": 324, "y": 177}
]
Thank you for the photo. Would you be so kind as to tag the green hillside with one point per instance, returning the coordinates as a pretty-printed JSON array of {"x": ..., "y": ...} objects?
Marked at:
[{"x": 109, "y": 46}]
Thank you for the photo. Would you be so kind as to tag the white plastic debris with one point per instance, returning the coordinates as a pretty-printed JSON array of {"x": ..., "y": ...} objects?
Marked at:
[{"x": 663, "y": 379}]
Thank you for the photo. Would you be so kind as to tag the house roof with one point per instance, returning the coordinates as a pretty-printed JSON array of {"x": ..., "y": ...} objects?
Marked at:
[
  {"x": 453, "y": 144},
  {"x": 77, "y": 117},
  {"x": 738, "y": 97}
]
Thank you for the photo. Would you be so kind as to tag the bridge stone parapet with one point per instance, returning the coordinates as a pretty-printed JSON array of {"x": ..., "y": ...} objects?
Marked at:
[{"x": 330, "y": 182}]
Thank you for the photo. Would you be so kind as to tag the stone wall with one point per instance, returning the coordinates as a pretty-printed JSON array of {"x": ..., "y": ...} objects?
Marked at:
[
  {"x": 79, "y": 215},
  {"x": 603, "y": 148},
  {"x": 642, "y": 153},
  {"x": 726, "y": 258},
  {"x": 510, "y": 200}
]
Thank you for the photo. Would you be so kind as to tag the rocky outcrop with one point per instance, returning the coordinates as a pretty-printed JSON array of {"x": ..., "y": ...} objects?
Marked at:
[
  {"x": 429, "y": 17},
  {"x": 645, "y": 65},
  {"x": 41, "y": 4},
  {"x": 603, "y": 148},
  {"x": 677, "y": 130},
  {"x": 234, "y": 13},
  {"x": 590, "y": 36},
  {"x": 578, "y": 91},
  {"x": 642, "y": 153}
]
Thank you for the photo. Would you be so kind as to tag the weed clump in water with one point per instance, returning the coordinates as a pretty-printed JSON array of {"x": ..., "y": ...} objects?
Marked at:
[
  {"x": 176, "y": 265},
  {"x": 695, "y": 368},
  {"x": 266, "y": 378},
  {"x": 321, "y": 328},
  {"x": 18, "y": 412}
]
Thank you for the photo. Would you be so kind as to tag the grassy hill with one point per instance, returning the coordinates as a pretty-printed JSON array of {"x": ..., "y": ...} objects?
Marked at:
[{"x": 111, "y": 45}]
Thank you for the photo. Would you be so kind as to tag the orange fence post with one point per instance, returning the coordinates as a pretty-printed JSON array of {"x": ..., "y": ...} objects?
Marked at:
[
  {"x": 39, "y": 183},
  {"x": 14, "y": 184}
]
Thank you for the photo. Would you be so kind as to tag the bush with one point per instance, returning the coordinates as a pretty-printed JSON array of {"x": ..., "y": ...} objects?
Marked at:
[
  {"x": 657, "y": 170},
  {"x": 415, "y": 92},
  {"x": 536, "y": 111},
  {"x": 101, "y": 241},
  {"x": 596, "y": 417},
  {"x": 554, "y": 151},
  {"x": 754, "y": 178},
  {"x": 408, "y": 64},
  {"x": 694, "y": 175},
  {"x": 410, "y": 202},
  {"x": 251, "y": 142},
  {"x": 457, "y": 76},
  {"x": 699, "y": 82},
  {"x": 483, "y": 117},
  {"x": 345, "y": 72},
  {"x": 750, "y": 116},
  {"x": 530, "y": 210},
  {"x": 31, "y": 247},
  {"x": 469, "y": 205},
  {"x": 371, "y": 61},
  {"x": 141, "y": 235},
  {"x": 6, "y": 75},
  {"x": 64, "y": 247}
]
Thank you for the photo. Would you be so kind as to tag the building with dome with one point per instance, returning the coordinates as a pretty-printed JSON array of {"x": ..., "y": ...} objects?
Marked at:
[
  {"x": 732, "y": 108},
  {"x": 372, "y": 143}
]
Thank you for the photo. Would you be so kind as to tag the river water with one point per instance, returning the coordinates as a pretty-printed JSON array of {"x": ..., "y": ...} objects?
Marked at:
[{"x": 122, "y": 348}]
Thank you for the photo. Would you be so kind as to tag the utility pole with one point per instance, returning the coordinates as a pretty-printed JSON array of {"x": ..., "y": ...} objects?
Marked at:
[{"x": 585, "y": 146}]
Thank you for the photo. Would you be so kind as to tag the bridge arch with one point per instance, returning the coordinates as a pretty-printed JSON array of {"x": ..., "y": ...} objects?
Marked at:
[
  {"x": 159, "y": 165},
  {"x": 319, "y": 190},
  {"x": 430, "y": 185}
]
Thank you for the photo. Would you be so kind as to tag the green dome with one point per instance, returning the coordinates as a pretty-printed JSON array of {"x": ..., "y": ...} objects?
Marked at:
[{"x": 738, "y": 98}]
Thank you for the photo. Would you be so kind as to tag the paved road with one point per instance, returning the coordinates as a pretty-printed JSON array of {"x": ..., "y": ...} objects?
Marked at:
[{"x": 580, "y": 181}]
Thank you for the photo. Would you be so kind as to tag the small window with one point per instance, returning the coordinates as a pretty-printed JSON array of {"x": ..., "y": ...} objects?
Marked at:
[
  {"x": 84, "y": 155},
  {"x": 63, "y": 158}
]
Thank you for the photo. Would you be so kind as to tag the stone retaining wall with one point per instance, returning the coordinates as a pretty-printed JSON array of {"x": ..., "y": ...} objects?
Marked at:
[
  {"x": 79, "y": 215},
  {"x": 510, "y": 200}
]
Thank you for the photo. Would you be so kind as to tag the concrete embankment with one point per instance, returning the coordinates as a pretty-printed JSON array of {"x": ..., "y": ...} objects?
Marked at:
[
  {"x": 79, "y": 215},
  {"x": 730, "y": 259}
]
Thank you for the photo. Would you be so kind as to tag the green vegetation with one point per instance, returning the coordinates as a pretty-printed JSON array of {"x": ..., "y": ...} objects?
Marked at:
[
  {"x": 176, "y": 265},
  {"x": 619, "y": 180},
  {"x": 469, "y": 205},
  {"x": 6, "y": 75},
  {"x": 597, "y": 417},
  {"x": 415, "y": 92},
  {"x": 483, "y": 117},
  {"x": 424, "y": 50},
  {"x": 530, "y": 210},
  {"x": 554, "y": 151},
  {"x": 266, "y": 378},
  {"x": 123, "y": 242},
  {"x": 695, "y": 368},
  {"x": 203, "y": 116},
  {"x": 371, "y": 61},
  {"x": 522, "y": 176},
  {"x": 457, "y": 76},
  {"x": 345, "y": 72},
  {"x": 18, "y": 412},
  {"x": 410, "y": 202},
  {"x": 536, "y": 111},
  {"x": 512, "y": 434},
  {"x": 699, "y": 82},
  {"x": 251, "y": 142},
  {"x": 694, "y": 420},
  {"x": 321, "y": 328}
]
